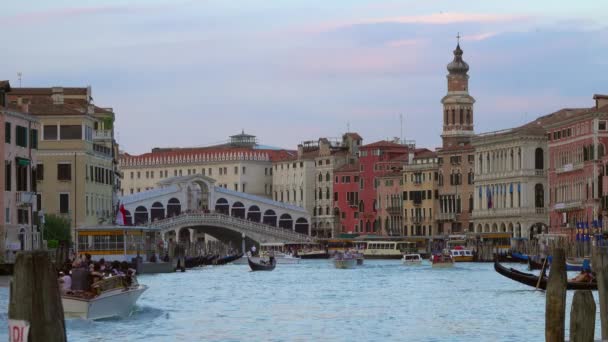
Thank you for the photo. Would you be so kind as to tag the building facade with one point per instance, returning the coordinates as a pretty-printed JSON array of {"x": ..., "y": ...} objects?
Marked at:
[
  {"x": 456, "y": 156},
  {"x": 307, "y": 179},
  {"x": 355, "y": 184},
  {"x": 390, "y": 204},
  {"x": 239, "y": 165},
  {"x": 420, "y": 195},
  {"x": 511, "y": 181},
  {"x": 19, "y": 217},
  {"x": 577, "y": 140},
  {"x": 76, "y": 167}
]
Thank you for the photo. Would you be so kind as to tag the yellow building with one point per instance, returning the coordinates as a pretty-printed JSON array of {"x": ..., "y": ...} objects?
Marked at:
[
  {"x": 76, "y": 168},
  {"x": 420, "y": 195}
]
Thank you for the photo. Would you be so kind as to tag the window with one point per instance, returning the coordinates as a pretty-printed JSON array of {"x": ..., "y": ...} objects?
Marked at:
[
  {"x": 236, "y": 187},
  {"x": 7, "y": 132},
  {"x": 243, "y": 172},
  {"x": 39, "y": 201},
  {"x": 64, "y": 203},
  {"x": 21, "y": 175},
  {"x": 22, "y": 216},
  {"x": 21, "y": 136},
  {"x": 64, "y": 172},
  {"x": 131, "y": 175},
  {"x": 70, "y": 132},
  {"x": 40, "y": 172},
  {"x": 138, "y": 175},
  {"x": 602, "y": 125},
  {"x": 236, "y": 170},
  {"x": 50, "y": 132}
]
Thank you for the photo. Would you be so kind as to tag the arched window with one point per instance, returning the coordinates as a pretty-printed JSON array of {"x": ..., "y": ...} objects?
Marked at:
[
  {"x": 361, "y": 206},
  {"x": 453, "y": 116},
  {"x": 314, "y": 211},
  {"x": 461, "y": 115},
  {"x": 320, "y": 177},
  {"x": 327, "y": 210},
  {"x": 327, "y": 193},
  {"x": 327, "y": 177},
  {"x": 539, "y": 159},
  {"x": 468, "y": 117},
  {"x": 320, "y": 193}
]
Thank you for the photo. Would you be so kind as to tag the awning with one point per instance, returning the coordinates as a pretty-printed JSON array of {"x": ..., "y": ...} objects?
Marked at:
[{"x": 22, "y": 161}]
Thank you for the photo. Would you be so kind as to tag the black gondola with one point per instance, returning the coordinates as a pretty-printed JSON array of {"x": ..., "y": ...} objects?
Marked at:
[
  {"x": 535, "y": 265},
  {"x": 532, "y": 280},
  {"x": 262, "y": 266}
]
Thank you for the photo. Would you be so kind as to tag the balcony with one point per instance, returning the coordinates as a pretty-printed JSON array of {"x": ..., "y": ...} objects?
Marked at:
[
  {"x": 569, "y": 168},
  {"x": 394, "y": 210},
  {"x": 102, "y": 134},
  {"x": 501, "y": 175},
  {"x": 446, "y": 216},
  {"x": 417, "y": 219},
  {"x": 507, "y": 212},
  {"x": 568, "y": 205},
  {"x": 25, "y": 198}
]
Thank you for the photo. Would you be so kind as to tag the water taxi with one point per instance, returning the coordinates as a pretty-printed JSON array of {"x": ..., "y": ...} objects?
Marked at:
[
  {"x": 442, "y": 261},
  {"x": 387, "y": 249},
  {"x": 110, "y": 297},
  {"x": 461, "y": 254},
  {"x": 412, "y": 259},
  {"x": 345, "y": 260}
]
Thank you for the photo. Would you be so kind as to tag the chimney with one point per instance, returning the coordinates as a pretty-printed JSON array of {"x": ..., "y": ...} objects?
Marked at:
[
  {"x": 300, "y": 150},
  {"x": 25, "y": 108},
  {"x": 57, "y": 95},
  {"x": 600, "y": 100}
]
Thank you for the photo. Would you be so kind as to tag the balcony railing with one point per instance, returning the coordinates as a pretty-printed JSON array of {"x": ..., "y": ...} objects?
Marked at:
[
  {"x": 25, "y": 197},
  {"x": 569, "y": 168},
  {"x": 493, "y": 175},
  {"x": 446, "y": 216},
  {"x": 506, "y": 212},
  {"x": 568, "y": 205},
  {"x": 394, "y": 210},
  {"x": 102, "y": 134}
]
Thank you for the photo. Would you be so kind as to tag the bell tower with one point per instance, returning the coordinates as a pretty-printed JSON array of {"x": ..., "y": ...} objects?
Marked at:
[{"x": 457, "y": 104}]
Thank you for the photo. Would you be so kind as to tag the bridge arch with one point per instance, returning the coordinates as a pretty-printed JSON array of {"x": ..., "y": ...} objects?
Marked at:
[
  {"x": 301, "y": 226},
  {"x": 494, "y": 228},
  {"x": 254, "y": 214},
  {"x": 503, "y": 228},
  {"x": 184, "y": 235},
  {"x": 285, "y": 221},
  {"x": 174, "y": 207},
  {"x": 141, "y": 215},
  {"x": 238, "y": 210},
  {"x": 270, "y": 218},
  {"x": 222, "y": 206},
  {"x": 157, "y": 211},
  {"x": 479, "y": 229}
]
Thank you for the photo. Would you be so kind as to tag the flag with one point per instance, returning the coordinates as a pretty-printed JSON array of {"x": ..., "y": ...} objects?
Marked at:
[{"x": 121, "y": 216}]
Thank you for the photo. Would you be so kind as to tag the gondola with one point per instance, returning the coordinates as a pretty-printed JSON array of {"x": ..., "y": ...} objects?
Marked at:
[
  {"x": 532, "y": 280},
  {"x": 262, "y": 266},
  {"x": 535, "y": 265}
]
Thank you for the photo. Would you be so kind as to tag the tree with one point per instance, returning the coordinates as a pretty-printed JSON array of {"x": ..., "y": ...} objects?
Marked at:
[{"x": 57, "y": 228}]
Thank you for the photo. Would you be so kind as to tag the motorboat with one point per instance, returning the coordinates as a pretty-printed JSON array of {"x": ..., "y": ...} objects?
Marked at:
[
  {"x": 460, "y": 254},
  {"x": 442, "y": 261},
  {"x": 360, "y": 258},
  {"x": 110, "y": 297},
  {"x": 262, "y": 265},
  {"x": 280, "y": 258},
  {"x": 345, "y": 260},
  {"x": 313, "y": 254},
  {"x": 412, "y": 259}
]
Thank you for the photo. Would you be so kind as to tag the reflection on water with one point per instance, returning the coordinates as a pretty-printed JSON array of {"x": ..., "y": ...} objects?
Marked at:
[{"x": 380, "y": 301}]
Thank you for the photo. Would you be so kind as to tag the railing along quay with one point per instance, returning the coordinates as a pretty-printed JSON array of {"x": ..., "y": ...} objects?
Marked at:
[{"x": 217, "y": 218}]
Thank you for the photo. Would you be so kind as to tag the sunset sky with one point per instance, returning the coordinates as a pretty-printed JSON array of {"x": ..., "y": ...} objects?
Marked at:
[{"x": 189, "y": 73}]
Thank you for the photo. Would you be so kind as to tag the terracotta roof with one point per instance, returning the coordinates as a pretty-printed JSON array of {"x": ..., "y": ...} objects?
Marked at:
[
  {"x": 353, "y": 135},
  {"x": 384, "y": 143},
  {"x": 425, "y": 153},
  {"x": 349, "y": 168},
  {"x": 49, "y": 91},
  {"x": 51, "y": 109},
  {"x": 595, "y": 96},
  {"x": 5, "y": 85},
  {"x": 100, "y": 110}
]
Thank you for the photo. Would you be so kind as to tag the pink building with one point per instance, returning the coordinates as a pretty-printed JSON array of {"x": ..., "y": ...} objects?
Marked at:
[
  {"x": 577, "y": 147},
  {"x": 19, "y": 202}
]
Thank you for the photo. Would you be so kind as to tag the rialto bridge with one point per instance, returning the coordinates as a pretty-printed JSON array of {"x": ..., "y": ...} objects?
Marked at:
[{"x": 185, "y": 208}]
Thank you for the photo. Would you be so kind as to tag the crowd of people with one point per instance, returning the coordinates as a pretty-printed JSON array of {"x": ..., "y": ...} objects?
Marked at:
[{"x": 79, "y": 274}]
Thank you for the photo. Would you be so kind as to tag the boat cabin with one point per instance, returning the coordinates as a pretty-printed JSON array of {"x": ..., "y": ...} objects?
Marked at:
[{"x": 117, "y": 243}]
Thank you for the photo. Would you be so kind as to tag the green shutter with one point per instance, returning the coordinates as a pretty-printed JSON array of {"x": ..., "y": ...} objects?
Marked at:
[{"x": 34, "y": 138}]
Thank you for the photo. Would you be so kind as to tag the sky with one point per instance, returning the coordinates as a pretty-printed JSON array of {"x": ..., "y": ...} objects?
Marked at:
[{"x": 192, "y": 73}]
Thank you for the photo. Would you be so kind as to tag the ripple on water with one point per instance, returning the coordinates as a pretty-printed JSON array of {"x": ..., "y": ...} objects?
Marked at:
[{"x": 381, "y": 301}]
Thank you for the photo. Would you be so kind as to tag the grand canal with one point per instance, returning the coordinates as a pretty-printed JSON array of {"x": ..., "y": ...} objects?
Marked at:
[{"x": 381, "y": 301}]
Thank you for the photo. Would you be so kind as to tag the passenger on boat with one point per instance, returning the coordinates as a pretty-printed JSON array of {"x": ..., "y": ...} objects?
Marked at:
[
  {"x": 586, "y": 276},
  {"x": 65, "y": 282}
]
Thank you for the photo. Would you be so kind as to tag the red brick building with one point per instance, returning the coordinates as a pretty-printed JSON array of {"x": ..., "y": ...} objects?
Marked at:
[
  {"x": 355, "y": 185},
  {"x": 577, "y": 141}
]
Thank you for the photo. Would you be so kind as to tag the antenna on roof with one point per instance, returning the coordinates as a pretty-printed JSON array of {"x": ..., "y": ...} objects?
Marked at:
[
  {"x": 347, "y": 127},
  {"x": 401, "y": 126},
  {"x": 19, "y": 74}
]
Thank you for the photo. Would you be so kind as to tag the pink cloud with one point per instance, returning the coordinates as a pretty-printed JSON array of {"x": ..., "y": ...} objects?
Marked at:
[
  {"x": 54, "y": 14},
  {"x": 442, "y": 18},
  {"x": 479, "y": 36},
  {"x": 404, "y": 42}
]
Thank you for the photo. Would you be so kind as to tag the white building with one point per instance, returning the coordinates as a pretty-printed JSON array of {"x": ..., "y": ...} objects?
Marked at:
[
  {"x": 240, "y": 165},
  {"x": 510, "y": 180}
]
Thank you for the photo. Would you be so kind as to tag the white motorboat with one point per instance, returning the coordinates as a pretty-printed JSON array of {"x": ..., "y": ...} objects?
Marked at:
[
  {"x": 412, "y": 259},
  {"x": 442, "y": 261},
  {"x": 113, "y": 299},
  {"x": 345, "y": 260}
]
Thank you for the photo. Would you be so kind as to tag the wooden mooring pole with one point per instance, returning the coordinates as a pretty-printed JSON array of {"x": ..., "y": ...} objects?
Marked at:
[
  {"x": 599, "y": 263},
  {"x": 35, "y": 300},
  {"x": 555, "y": 307},
  {"x": 582, "y": 317}
]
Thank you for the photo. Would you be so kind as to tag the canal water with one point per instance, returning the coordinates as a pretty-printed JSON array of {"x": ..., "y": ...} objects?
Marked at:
[{"x": 312, "y": 301}]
